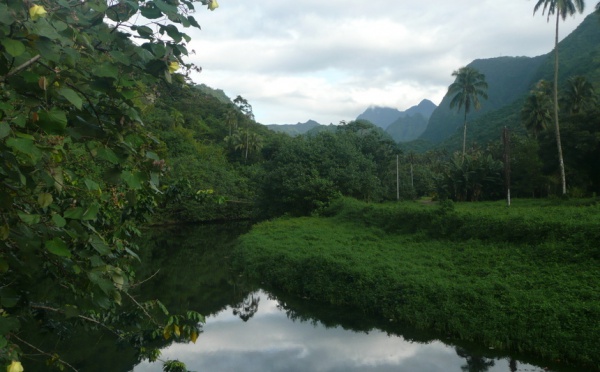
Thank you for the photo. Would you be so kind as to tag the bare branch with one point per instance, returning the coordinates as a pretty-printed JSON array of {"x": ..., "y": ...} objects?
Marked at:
[
  {"x": 42, "y": 352},
  {"x": 20, "y": 68}
]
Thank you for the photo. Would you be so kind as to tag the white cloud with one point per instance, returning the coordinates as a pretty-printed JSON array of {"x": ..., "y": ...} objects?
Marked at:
[{"x": 329, "y": 60}]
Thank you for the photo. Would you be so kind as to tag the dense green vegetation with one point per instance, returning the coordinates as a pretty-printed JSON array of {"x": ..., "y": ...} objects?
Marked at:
[
  {"x": 521, "y": 278},
  {"x": 101, "y": 137}
]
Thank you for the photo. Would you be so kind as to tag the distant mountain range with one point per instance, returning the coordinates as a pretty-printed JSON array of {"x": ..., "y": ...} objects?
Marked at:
[
  {"x": 509, "y": 81},
  {"x": 402, "y": 126}
]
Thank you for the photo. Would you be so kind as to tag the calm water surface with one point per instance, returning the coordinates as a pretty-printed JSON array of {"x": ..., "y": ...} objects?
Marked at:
[
  {"x": 271, "y": 341},
  {"x": 248, "y": 329}
]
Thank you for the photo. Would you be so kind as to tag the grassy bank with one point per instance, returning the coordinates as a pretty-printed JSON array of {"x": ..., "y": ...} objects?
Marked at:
[{"x": 525, "y": 278}]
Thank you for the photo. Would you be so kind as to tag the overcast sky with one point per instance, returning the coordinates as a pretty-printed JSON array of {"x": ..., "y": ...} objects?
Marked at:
[{"x": 330, "y": 60}]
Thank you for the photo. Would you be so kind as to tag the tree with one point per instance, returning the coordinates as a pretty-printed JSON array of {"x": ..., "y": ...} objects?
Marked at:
[
  {"x": 580, "y": 94},
  {"x": 536, "y": 113},
  {"x": 561, "y": 8},
  {"x": 468, "y": 86},
  {"x": 78, "y": 169}
]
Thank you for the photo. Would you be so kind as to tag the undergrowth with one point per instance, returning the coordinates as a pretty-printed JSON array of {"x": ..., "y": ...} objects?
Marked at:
[{"x": 522, "y": 278}]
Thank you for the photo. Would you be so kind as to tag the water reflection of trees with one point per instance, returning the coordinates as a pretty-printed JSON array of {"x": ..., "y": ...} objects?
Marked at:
[
  {"x": 247, "y": 308},
  {"x": 475, "y": 362}
]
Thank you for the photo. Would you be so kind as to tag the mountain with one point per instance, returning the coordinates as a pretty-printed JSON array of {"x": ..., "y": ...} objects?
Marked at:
[
  {"x": 216, "y": 93},
  {"x": 380, "y": 116},
  {"x": 383, "y": 117},
  {"x": 294, "y": 129},
  {"x": 509, "y": 81},
  {"x": 407, "y": 128},
  {"x": 425, "y": 108},
  {"x": 508, "y": 78}
]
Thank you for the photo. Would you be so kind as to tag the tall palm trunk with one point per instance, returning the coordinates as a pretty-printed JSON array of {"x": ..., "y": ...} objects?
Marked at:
[
  {"x": 464, "y": 136},
  {"x": 558, "y": 143}
]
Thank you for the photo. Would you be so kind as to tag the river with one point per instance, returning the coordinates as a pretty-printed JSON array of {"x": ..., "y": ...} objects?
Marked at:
[{"x": 249, "y": 328}]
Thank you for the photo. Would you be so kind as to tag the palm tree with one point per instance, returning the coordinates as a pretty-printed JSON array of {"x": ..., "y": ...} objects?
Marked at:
[
  {"x": 537, "y": 111},
  {"x": 580, "y": 93},
  {"x": 468, "y": 86},
  {"x": 231, "y": 121},
  {"x": 562, "y": 8}
]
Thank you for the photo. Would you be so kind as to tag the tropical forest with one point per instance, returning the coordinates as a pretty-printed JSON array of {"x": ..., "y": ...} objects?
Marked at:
[{"x": 137, "y": 204}]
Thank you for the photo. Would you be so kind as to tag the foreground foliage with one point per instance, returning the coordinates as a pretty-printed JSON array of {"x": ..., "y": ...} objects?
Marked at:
[
  {"x": 78, "y": 170},
  {"x": 523, "y": 278}
]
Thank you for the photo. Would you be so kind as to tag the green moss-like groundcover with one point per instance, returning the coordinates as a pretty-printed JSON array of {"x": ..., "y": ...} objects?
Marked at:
[{"x": 525, "y": 278}]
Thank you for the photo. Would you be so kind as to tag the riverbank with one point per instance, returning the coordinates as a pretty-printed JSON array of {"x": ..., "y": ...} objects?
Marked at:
[{"x": 523, "y": 278}]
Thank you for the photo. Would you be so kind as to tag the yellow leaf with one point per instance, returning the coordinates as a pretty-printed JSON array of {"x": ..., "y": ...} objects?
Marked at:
[
  {"x": 213, "y": 5},
  {"x": 36, "y": 12},
  {"x": 194, "y": 336},
  {"x": 176, "y": 329},
  {"x": 167, "y": 332},
  {"x": 14, "y": 367},
  {"x": 173, "y": 66}
]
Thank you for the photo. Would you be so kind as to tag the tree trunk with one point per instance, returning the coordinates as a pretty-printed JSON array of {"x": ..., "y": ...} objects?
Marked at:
[
  {"x": 561, "y": 162},
  {"x": 464, "y": 136}
]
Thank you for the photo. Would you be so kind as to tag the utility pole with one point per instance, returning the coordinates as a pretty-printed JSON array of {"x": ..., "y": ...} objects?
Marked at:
[
  {"x": 397, "y": 177},
  {"x": 506, "y": 142}
]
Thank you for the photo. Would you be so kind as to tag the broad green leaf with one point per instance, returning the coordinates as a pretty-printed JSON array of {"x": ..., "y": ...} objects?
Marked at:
[
  {"x": 45, "y": 199},
  {"x": 173, "y": 32},
  {"x": 4, "y": 232},
  {"x": 6, "y": 17},
  {"x": 98, "y": 5},
  {"x": 91, "y": 185},
  {"x": 166, "y": 8},
  {"x": 3, "y": 265},
  {"x": 58, "y": 247},
  {"x": 58, "y": 220},
  {"x": 121, "y": 57},
  {"x": 145, "y": 32},
  {"x": 152, "y": 155},
  {"x": 29, "y": 219},
  {"x": 4, "y": 129},
  {"x": 13, "y": 47},
  {"x": 43, "y": 28},
  {"x": 105, "y": 285},
  {"x": 71, "y": 96},
  {"x": 106, "y": 69},
  {"x": 20, "y": 121},
  {"x": 133, "y": 180},
  {"x": 8, "y": 325},
  {"x": 107, "y": 154},
  {"x": 99, "y": 245},
  {"x": 193, "y": 21},
  {"x": 150, "y": 11},
  {"x": 53, "y": 121},
  {"x": 48, "y": 49},
  {"x": 91, "y": 213},
  {"x": 121, "y": 12},
  {"x": 59, "y": 25},
  {"x": 74, "y": 213},
  {"x": 26, "y": 147}
]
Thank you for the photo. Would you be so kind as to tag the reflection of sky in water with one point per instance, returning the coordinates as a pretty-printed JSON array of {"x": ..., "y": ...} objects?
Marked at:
[{"x": 269, "y": 341}]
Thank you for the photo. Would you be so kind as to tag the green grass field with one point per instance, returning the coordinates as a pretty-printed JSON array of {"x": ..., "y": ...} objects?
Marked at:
[{"x": 523, "y": 278}]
